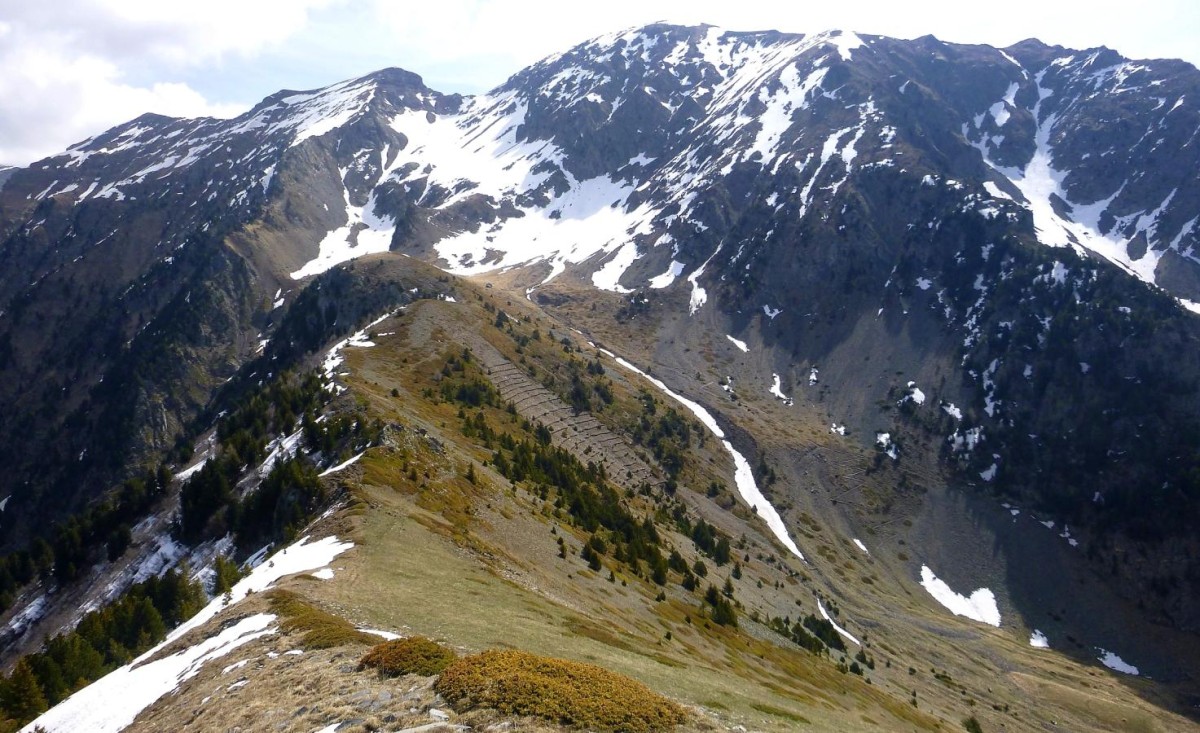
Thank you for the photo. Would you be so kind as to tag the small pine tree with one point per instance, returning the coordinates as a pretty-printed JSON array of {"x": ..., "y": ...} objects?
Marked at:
[
  {"x": 225, "y": 574},
  {"x": 658, "y": 573},
  {"x": 588, "y": 554},
  {"x": 21, "y": 695},
  {"x": 721, "y": 552},
  {"x": 724, "y": 614}
]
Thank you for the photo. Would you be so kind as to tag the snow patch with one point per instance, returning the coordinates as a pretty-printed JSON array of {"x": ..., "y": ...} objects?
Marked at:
[
  {"x": 345, "y": 464},
  {"x": 736, "y": 342},
  {"x": 915, "y": 394},
  {"x": 31, "y": 613},
  {"x": 364, "y": 233},
  {"x": 858, "y": 543},
  {"x": 235, "y": 666},
  {"x": 668, "y": 277},
  {"x": 884, "y": 441},
  {"x": 845, "y": 42},
  {"x": 192, "y": 470},
  {"x": 995, "y": 192},
  {"x": 111, "y": 703},
  {"x": 1038, "y": 640},
  {"x": 281, "y": 449},
  {"x": 699, "y": 295},
  {"x": 1115, "y": 663},
  {"x": 333, "y": 108},
  {"x": 776, "y": 389},
  {"x": 979, "y": 606},
  {"x": 333, "y": 358},
  {"x": 1041, "y": 184},
  {"x": 386, "y": 635}
]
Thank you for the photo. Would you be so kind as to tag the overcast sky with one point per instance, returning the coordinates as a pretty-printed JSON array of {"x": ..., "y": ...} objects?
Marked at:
[{"x": 72, "y": 68}]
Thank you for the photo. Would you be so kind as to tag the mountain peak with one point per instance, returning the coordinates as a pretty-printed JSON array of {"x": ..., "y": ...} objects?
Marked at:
[
  {"x": 397, "y": 77},
  {"x": 966, "y": 253}
]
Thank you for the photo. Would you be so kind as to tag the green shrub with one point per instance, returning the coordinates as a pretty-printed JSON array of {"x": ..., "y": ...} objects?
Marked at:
[
  {"x": 561, "y": 691},
  {"x": 414, "y": 655},
  {"x": 320, "y": 629}
]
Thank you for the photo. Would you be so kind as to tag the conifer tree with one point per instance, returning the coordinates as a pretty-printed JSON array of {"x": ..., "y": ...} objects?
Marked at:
[{"x": 21, "y": 695}]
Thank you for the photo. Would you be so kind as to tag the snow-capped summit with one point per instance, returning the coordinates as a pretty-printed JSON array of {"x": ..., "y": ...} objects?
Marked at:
[{"x": 1008, "y": 213}]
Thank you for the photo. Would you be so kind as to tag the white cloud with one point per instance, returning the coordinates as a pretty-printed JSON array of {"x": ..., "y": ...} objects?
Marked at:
[
  {"x": 90, "y": 64},
  {"x": 174, "y": 32},
  {"x": 71, "y": 72},
  {"x": 532, "y": 29},
  {"x": 479, "y": 43}
]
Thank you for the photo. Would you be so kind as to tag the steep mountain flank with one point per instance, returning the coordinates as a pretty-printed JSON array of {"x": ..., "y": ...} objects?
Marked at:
[{"x": 933, "y": 296}]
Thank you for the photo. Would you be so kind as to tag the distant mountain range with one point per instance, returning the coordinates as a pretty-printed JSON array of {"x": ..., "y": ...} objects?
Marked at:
[{"x": 1013, "y": 229}]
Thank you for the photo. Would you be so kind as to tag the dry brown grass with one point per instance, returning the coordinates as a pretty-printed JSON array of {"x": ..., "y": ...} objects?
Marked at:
[
  {"x": 414, "y": 655},
  {"x": 561, "y": 691}
]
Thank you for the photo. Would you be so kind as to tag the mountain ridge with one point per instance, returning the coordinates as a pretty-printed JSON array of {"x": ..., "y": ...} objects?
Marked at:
[{"x": 806, "y": 231}]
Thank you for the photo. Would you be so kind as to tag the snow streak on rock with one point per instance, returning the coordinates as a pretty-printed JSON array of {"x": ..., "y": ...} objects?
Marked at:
[
  {"x": 743, "y": 475},
  {"x": 1106, "y": 226},
  {"x": 825, "y": 615}
]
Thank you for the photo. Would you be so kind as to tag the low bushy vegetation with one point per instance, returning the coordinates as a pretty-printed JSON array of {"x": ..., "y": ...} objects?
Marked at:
[
  {"x": 320, "y": 629},
  {"x": 557, "y": 690},
  {"x": 414, "y": 655}
]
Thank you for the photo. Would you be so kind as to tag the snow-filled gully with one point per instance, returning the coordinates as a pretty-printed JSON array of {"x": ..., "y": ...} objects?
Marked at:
[{"x": 743, "y": 476}]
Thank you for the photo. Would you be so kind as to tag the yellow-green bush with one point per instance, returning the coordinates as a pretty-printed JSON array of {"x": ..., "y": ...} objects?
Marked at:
[
  {"x": 565, "y": 692},
  {"x": 414, "y": 655},
  {"x": 322, "y": 630}
]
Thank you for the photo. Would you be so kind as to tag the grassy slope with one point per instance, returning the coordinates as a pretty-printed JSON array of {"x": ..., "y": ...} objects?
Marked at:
[
  {"x": 831, "y": 492},
  {"x": 475, "y": 565}
]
